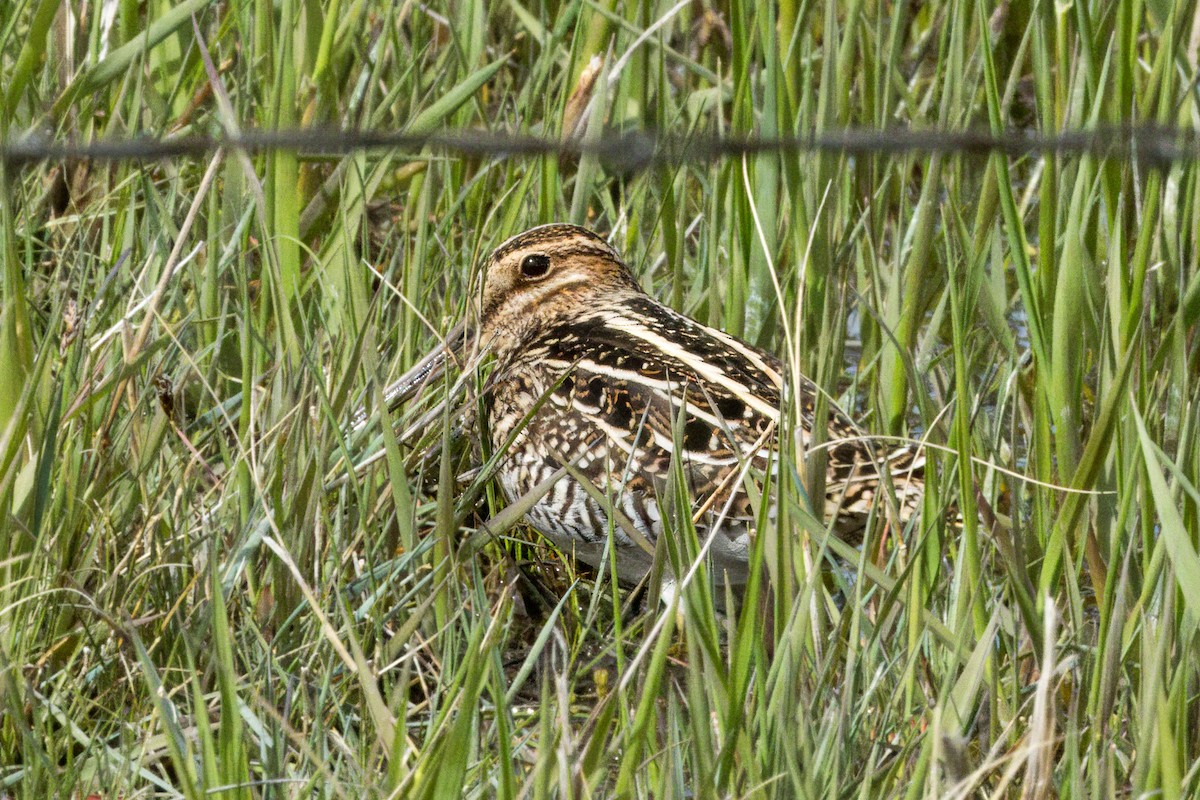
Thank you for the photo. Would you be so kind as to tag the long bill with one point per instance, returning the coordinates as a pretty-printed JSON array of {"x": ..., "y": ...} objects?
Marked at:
[{"x": 426, "y": 371}]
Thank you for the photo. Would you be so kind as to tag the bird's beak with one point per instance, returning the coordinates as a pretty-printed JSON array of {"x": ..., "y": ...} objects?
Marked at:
[
  {"x": 431, "y": 367},
  {"x": 425, "y": 372}
]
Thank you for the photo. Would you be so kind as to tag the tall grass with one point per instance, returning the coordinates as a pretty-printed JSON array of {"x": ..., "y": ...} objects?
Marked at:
[{"x": 199, "y": 598}]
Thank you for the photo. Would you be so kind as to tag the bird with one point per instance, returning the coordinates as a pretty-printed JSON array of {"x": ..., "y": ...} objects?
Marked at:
[{"x": 599, "y": 393}]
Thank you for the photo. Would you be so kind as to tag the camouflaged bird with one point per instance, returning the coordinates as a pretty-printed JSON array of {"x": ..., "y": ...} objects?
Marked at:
[{"x": 595, "y": 381}]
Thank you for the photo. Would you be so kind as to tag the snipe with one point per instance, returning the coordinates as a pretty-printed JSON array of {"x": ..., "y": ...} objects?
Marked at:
[{"x": 596, "y": 382}]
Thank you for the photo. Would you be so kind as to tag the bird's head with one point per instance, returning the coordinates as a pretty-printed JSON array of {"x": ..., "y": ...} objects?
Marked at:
[
  {"x": 546, "y": 271},
  {"x": 531, "y": 280}
]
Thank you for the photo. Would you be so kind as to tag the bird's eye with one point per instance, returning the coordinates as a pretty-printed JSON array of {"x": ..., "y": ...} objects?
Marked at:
[{"x": 535, "y": 266}]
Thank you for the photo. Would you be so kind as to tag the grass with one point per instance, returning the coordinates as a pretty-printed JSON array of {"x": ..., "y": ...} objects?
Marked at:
[{"x": 198, "y": 599}]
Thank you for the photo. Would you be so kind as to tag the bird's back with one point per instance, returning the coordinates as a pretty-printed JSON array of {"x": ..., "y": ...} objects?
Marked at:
[{"x": 621, "y": 389}]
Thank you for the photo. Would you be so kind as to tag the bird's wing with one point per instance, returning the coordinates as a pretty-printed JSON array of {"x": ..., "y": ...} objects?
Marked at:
[
  {"x": 636, "y": 373},
  {"x": 635, "y": 376}
]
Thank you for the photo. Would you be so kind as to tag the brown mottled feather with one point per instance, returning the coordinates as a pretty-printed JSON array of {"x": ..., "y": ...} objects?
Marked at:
[{"x": 615, "y": 372}]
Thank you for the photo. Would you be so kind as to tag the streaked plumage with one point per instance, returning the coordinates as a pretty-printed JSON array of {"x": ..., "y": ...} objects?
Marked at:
[{"x": 592, "y": 372}]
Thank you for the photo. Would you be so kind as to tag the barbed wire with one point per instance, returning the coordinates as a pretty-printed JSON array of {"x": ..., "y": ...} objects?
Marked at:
[{"x": 1154, "y": 145}]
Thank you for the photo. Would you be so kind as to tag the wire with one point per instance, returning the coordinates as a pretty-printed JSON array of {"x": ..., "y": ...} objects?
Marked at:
[{"x": 631, "y": 151}]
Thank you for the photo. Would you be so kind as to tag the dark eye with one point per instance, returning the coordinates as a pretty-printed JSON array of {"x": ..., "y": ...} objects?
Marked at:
[{"x": 535, "y": 266}]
